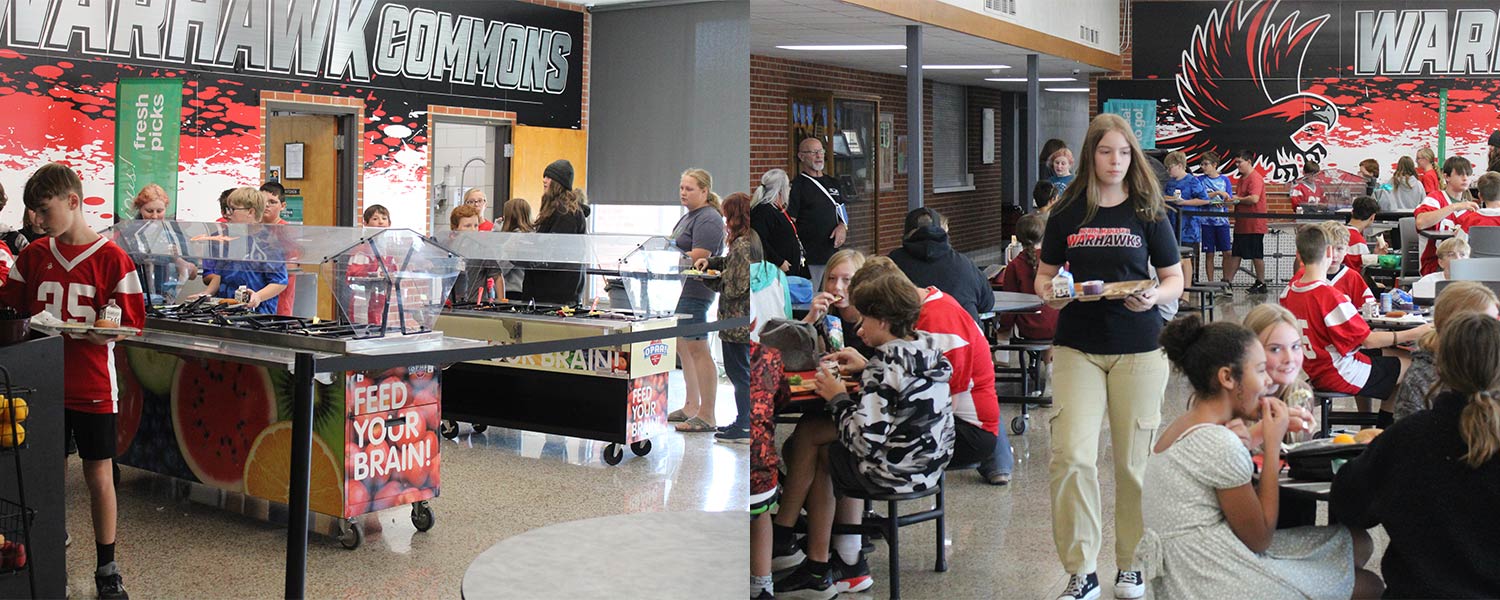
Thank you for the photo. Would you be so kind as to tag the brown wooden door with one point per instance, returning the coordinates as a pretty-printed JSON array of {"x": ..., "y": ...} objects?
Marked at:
[{"x": 318, "y": 186}]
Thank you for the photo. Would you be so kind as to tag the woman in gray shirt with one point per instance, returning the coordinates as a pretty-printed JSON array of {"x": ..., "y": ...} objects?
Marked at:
[{"x": 699, "y": 234}]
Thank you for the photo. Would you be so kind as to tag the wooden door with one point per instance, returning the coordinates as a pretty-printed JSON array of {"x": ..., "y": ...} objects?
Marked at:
[
  {"x": 317, "y": 190},
  {"x": 318, "y": 187}
]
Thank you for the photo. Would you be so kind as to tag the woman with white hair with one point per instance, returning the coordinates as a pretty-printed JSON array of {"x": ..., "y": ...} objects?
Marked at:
[{"x": 777, "y": 231}]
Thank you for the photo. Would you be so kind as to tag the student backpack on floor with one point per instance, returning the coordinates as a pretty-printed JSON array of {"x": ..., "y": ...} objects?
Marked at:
[{"x": 769, "y": 298}]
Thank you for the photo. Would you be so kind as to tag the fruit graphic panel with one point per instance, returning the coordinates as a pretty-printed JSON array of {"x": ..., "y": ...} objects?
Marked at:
[
  {"x": 647, "y": 414},
  {"x": 391, "y": 451}
]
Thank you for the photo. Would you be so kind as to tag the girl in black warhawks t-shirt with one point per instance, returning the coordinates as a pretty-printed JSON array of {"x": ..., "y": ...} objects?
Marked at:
[{"x": 1109, "y": 226}]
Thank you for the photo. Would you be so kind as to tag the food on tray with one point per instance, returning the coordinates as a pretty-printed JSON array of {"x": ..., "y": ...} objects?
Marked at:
[
  {"x": 691, "y": 272},
  {"x": 1343, "y": 438},
  {"x": 794, "y": 380},
  {"x": 1366, "y": 436},
  {"x": 1395, "y": 314},
  {"x": 1093, "y": 288},
  {"x": 712, "y": 272},
  {"x": 106, "y": 323}
]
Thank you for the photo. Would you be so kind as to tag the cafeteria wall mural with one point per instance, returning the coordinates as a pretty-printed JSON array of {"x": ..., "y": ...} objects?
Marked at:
[
  {"x": 58, "y": 79},
  {"x": 1335, "y": 82}
]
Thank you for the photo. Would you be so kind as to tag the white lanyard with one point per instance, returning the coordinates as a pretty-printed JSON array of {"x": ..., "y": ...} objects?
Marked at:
[{"x": 837, "y": 208}]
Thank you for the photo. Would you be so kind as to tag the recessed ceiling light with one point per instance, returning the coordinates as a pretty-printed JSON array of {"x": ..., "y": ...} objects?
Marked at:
[
  {"x": 845, "y": 47},
  {"x": 960, "y": 67},
  {"x": 1023, "y": 79},
  {"x": 1073, "y": 89}
]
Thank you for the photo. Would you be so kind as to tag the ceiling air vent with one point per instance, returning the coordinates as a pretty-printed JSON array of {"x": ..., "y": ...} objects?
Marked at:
[
  {"x": 1088, "y": 34},
  {"x": 1002, "y": 7}
]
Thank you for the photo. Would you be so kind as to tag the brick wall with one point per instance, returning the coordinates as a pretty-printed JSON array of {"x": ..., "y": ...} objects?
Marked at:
[{"x": 974, "y": 216}]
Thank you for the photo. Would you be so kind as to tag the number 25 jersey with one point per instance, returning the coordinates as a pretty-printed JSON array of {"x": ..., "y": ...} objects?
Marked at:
[{"x": 75, "y": 283}]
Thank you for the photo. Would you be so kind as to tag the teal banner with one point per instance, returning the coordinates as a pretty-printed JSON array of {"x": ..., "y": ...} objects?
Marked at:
[
  {"x": 1141, "y": 115},
  {"x": 148, "y": 134}
]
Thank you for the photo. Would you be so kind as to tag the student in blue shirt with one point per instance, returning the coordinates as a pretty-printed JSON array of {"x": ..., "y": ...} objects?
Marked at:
[
  {"x": 1184, "y": 192},
  {"x": 1214, "y": 232},
  {"x": 263, "y": 274}
]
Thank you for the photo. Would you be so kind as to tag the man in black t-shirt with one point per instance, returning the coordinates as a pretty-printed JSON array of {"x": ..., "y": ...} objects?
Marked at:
[{"x": 817, "y": 207}]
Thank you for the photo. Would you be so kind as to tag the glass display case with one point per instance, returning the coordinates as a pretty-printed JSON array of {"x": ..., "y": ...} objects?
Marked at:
[
  {"x": 378, "y": 282},
  {"x": 644, "y": 273}
]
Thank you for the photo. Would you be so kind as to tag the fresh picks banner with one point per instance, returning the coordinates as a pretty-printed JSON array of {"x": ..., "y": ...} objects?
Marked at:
[{"x": 147, "y": 138}]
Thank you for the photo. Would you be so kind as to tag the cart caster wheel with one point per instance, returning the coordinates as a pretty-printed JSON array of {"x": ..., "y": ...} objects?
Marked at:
[
  {"x": 613, "y": 454},
  {"x": 480, "y": 428},
  {"x": 1018, "y": 425},
  {"x": 351, "y": 534},
  {"x": 421, "y": 516},
  {"x": 448, "y": 428},
  {"x": 641, "y": 448}
]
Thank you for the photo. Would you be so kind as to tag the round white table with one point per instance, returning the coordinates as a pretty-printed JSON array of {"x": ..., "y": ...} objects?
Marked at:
[{"x": 691, "y": 554}]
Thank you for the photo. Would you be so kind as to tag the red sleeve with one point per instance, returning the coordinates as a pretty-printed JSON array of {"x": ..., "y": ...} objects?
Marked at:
[
  {"x": 126, "y": 292},
  {"x": 1356, "y": 236},
  {"x": 1347, "y": 331},
  {"x": 1298, "y": 194},
  {"x": 6, "y": 262},
  {"x": 1468, "y": 219},
  {"x": 487, "y": 226},
  {"x": 13, "y": 290}
]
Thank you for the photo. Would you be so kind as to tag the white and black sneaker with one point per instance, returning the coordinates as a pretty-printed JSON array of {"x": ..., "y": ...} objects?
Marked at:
[
  {"x": 1130, "y": 585},
  {"x": 1081, "y": 587}
]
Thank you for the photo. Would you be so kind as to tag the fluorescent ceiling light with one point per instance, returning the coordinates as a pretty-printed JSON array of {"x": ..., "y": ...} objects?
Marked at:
[
  {"x": 1073, "y": 89},
  {"x": 1023, "y": 79},
  {"x": 960, "y": 67},
  {"x": 845, "y": 47}
]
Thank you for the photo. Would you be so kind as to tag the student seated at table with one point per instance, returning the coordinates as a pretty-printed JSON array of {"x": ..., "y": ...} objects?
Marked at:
[
  {"x": 894, "y": 436},
  {"x": 1488, "y": 213},
  {"x": 1448, "y": 251},
  {"x": 1281, "y": 340},
  {"x": 1439, "y": 212},
  {"x": 1209, "y": 531},
  {"x": 1338, "y": 335},
  {"x": 1361, "y": 216},
  {"x": 832, "y": 299},
  {"x": 264, "y": 274},
  {"x": 1416, "y": 389},
  {"x": 1345, "y": 278},
  {"x": 1020, "y": 276},
  {"x": 1432, "y": 480},
  {"x": 929, "y": 260}
]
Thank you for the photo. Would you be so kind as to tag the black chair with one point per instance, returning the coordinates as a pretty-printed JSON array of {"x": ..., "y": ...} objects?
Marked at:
[
  {"x": 1207, "y": 291},
  {"x": 888, "y": 526},
  {"x": 1329, "y": 417},
  {"x": 1031, "y": 375}
]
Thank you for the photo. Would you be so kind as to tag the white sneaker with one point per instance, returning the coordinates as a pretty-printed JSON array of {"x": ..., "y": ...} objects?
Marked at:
[
  {"x": 1130, "y": 585},
  {"x": 1081, "y": 587}
]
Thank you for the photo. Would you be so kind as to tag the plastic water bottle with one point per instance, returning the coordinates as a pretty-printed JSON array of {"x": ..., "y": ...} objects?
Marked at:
[{"x": 1013, "y": 250}]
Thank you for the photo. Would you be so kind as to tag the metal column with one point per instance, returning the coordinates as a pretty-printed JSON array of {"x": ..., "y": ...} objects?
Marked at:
[
  {"x": 300, "y": 477},
  {"x": 1033, "y": 123},
  {"x": 914, "y": 141}
]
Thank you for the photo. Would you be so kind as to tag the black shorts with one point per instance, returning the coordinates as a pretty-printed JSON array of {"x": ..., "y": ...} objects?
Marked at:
[
  {"x": 1384, "y": 371},
  {"x": 94, "y": 433},
  {"x": 1249, "y": 245},
  {"x": 971, "y": 444},
  {"x": 843, "y": 468}
]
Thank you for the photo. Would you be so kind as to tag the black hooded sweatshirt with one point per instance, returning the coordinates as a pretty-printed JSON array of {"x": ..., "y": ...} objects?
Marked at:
[{"x": 928, "y": 260}]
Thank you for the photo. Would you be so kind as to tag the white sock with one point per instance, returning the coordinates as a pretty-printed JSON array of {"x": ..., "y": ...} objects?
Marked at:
[
  {"x": 848, "y": 548},
  {"x": 761, "y": 582}
]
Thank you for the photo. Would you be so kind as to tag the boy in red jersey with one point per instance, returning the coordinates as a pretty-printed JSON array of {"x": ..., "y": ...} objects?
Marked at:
[
  {"x": 74, "y": 273},
  {"x": 1335, "y": 334},
  {"x": 1440, "y": 211},
  {"x": 1488, "y": 213}
]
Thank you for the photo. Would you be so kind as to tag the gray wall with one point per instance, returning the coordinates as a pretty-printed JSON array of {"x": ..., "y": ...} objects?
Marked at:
[
  {"x": 669, "y": 90},
  {"x": 1065, "y": 116}
]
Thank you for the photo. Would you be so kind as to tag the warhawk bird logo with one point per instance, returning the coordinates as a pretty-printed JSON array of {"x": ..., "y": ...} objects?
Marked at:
[{"x": 1240, "y": 89}]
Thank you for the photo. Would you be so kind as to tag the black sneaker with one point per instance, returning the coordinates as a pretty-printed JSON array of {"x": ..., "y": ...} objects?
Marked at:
[
  {"x": 806, "y": 583},
  {"x": 764, "y": 595},
  {"x": 1130, "y": 585},
  {"x": 108, "y": 584},
  {"x": 847, "y": 577},
  {"x": 733, "y": 435},
  {"x": 1081, "y": 587},
  {"x": 1258, "y": 287},
  {"x": 786, "y": 553}
]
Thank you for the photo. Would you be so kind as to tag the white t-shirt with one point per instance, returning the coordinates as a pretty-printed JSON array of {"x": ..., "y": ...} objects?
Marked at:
[{"x": 1426, "y": 287}]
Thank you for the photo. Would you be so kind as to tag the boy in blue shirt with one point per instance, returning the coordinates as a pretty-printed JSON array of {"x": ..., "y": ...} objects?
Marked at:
[
  {"x": 1184, "y": 192},
  {"x": 1214, "y": 231},
  {"x": 265, "y": 277}
]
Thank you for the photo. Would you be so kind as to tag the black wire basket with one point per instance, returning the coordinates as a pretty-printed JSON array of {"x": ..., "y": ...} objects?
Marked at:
[
  {"x": 11, "y": 438},
  {"x": 15, "y": 520}
]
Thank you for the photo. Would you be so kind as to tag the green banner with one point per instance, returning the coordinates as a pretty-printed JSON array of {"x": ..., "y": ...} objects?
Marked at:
[
  {"x": 1442, "y": 132},
  {"x": 148, "y": 133}
]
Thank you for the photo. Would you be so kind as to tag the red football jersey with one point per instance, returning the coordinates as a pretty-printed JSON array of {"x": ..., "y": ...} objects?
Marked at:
[
  {"x": 1304, "y": 192},
  {"x": 1433, "y": 202},
  {"x": 75, "y": 283},
  {"x": 964, "y": 345},
  {"x": 1353, "y": 285},
  {"x": 1332, "y": 333},
  {"x": 1476, "y": 218},
  {"x": 6, "y": 262},
  {"x": 1358, "y": 247}
]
